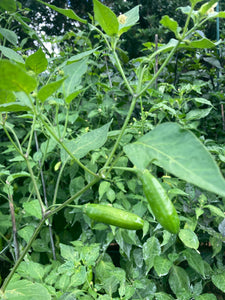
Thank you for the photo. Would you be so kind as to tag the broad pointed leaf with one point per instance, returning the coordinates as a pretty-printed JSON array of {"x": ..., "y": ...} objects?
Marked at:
[
  {"x": 47, "y": 90},
  {"x": 9, "y": 35},
  {"x": 179, "y": 152},
  {"x": 37, "y": 62},
  {"x": 85, "y": 143},
  {"x": 15, "y": 78},
  {"x": 106, "y": 18},
  {"x": 169, "y": 23},
  {"x": 180, "y": 283},
  {"x": 9, "y": 5}
]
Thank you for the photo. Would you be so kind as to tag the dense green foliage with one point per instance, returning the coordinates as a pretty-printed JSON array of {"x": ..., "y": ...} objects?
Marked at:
[{"x": 79, "y": 124}]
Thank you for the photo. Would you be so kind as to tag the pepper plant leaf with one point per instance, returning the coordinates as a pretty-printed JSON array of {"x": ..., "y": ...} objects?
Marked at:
[
  {"x": 180, "y": 153},
  {"x": 106, "y": 18}
]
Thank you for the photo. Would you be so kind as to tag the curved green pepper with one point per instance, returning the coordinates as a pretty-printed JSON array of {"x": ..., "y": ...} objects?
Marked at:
[
  {"x": 161, "y": 205},
  {"x": 113, "y": 216}
]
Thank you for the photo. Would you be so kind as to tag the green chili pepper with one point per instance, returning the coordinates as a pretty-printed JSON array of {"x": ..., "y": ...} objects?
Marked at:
[
  {"x": 113, "y": 216},
  {"x": 161, "y": 205}
]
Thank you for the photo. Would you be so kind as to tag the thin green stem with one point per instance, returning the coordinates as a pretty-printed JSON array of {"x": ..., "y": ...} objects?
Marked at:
[
  {"x": 160, "y": 70},
  {"x": 35, "y": 185},
  {"x": 84, "y": 189},
  {"x": 132, "y": 106},
  {"x": 26, "y": 249},
  {"x": 65, "y": 148},
  {"x": 122, "y": 72},
  {"x": 31, "y": 136}
]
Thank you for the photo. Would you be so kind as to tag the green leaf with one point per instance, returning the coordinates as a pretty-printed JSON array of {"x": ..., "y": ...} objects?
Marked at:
[
  {"x": 131, "y": 18},
  {"x": 14, "y": 78},
  {"x": 151, "y": 249},
  {"x": 69, "y": 253},
  {"x": 206, "y": 6},
  {"x": 194, "y": 2},
  {"x": 30, "y": 269},
  {"x": 162, "y": 265},
  {"x": 13, "y": 107},
  {"x": 87, "y": 142},
  {"x": 169, "y": 23},
  {"x": 49, "y": 89},
  {"x": 6, "y": 96},
  {"x": 33, "y": 209},
  {"x": 37, "y": 62},
  {"x": 215, "y": 210},
  {"x": 219, "y": 281},
  {"x": 197, "y": 114},
  {"x": 180, "y": 283},
  {"x": 26, "y": 232},
  {"x": 106, "y": 18},
  {"x": 81, "y": 55},
  {"x": 9, "y": 5},
  {"x": 11, "y": 177},
  {"x": 9, "y": 35},
  {"x": 195, "y": 261},
  {"x": 26, "y": 290},
  {"x": 179, "y": 152},
  {"x": 103, "y": 188},
  {"x": 74, "y": 73},
  {"x": 203, "y": 43},
  {"x": 206, "y": 297},
  {"x": 163, "y": 296},
  {"x": 189, "y": 238},
  {"x": 66, "y": 12},
  {"x": 11, "y": 54}
]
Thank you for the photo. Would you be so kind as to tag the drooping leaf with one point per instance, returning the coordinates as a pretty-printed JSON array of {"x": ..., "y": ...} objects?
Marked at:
[
  {"x": 66, "y": 12},
  {"x": 87, "y": 142},
  {"x": 9, "y": 35},
  {"x": 180, "y": 283},
  {"x": 179, "y": 152},
  {"x": 11, "y": 54},
  {"x": 106, "y": 18},
  {"x": 151, "y": 249},
  {"x": 37, "y": 62},
  {"x": 15, "y": 78},
  {"x": 195, "y": 261},
  {"x": 13, "y": 107}
]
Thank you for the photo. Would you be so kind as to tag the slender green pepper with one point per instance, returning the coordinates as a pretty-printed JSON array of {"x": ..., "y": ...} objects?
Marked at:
[
  {"x": 113, "y": 216},
  {"x": 161, "y": 205}
]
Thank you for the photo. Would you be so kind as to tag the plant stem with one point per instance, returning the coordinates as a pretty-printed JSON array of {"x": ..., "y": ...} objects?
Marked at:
[
  {"x": 65, "y": 148},
  {"x": 134, "y": 100},
  {"x": 26, "y": 249},
  {"x": 84, "y": 189}
]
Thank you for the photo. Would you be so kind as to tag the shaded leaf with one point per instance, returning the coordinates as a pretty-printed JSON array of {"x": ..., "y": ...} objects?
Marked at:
[
  {"x": 180, "y": 283},
  {"x": 47, "y": 90},
  {"x": 11, "y": 54},
  {"x": 219, "y": 281},
  {"x": 9, "y": 35},
  {"x": 179, "y": 152}
]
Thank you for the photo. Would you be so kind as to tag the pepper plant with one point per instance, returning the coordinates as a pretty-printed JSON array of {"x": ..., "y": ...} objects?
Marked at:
[{"x": 97, "y": 155}]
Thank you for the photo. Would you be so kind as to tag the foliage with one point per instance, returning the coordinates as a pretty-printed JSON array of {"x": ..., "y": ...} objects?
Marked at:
[{"x": 78, "y": 128}]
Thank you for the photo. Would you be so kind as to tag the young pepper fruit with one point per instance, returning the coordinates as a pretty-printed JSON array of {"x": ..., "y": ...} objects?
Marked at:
[
  {"x": 113, "y": 216},
  {"x": 160, "y": 203}
]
